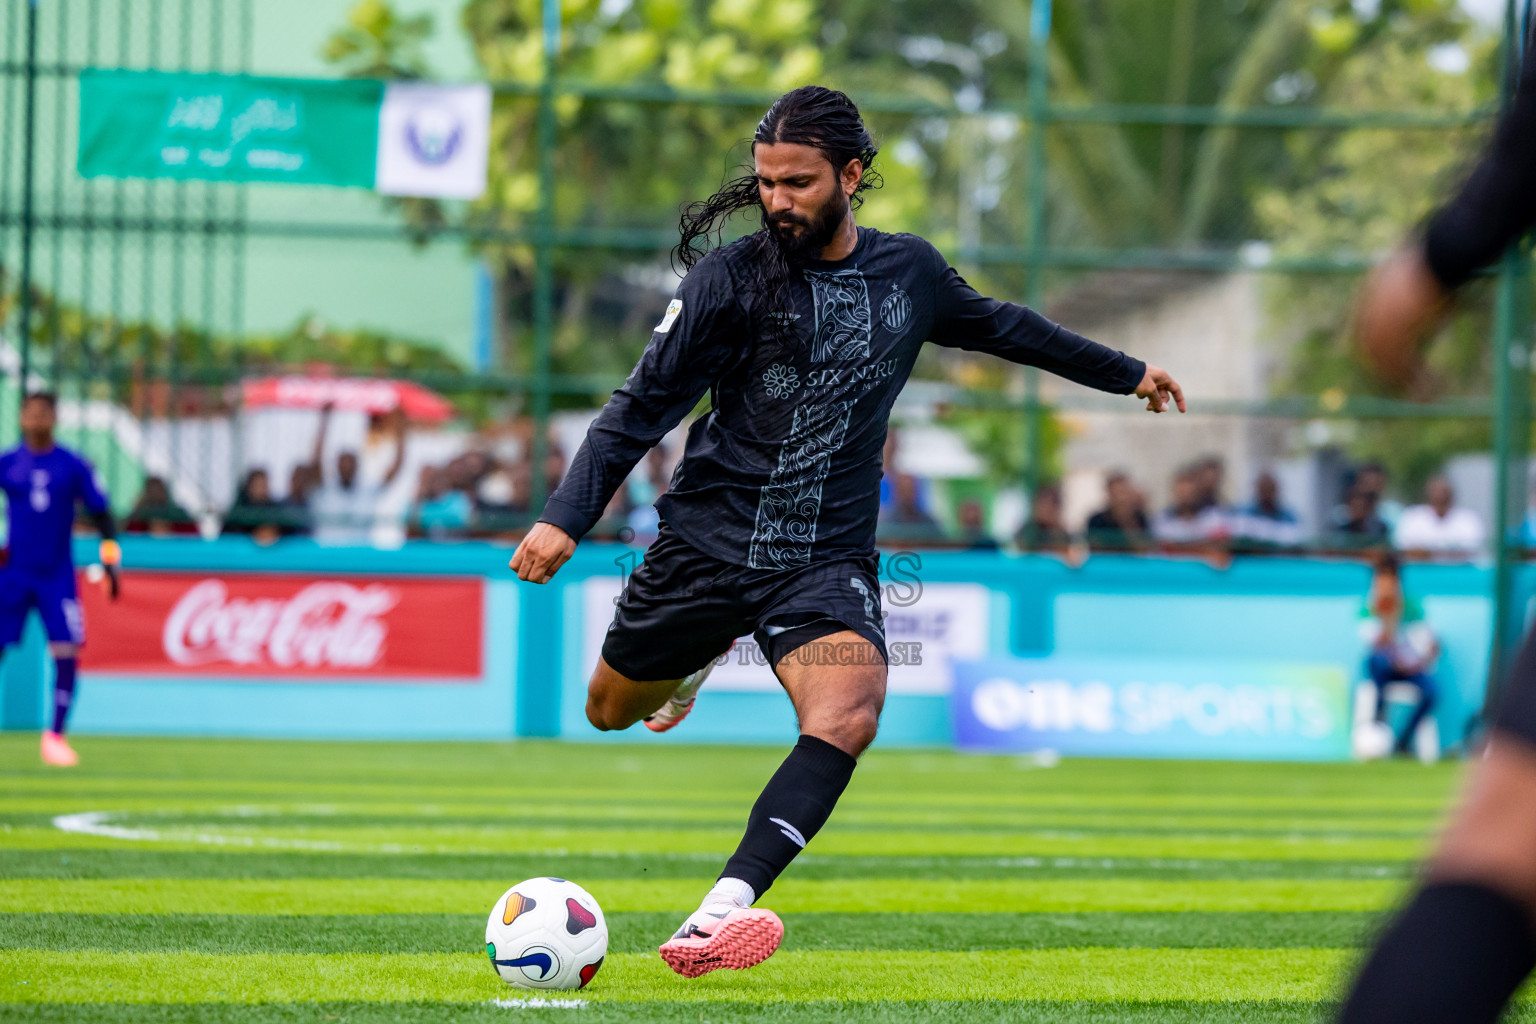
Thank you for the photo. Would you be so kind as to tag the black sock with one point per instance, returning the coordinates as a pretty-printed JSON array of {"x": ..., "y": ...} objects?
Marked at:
[
  {"x": 1455, "y": 956},
  {"x": 797, "y": 801},
  {"x": 63, "y": 690}
]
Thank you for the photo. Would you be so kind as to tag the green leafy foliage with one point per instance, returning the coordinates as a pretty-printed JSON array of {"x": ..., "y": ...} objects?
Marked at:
[
  {"x": 119, "y": 358},
  {"x": 378, "y": 43},
  {"x": 1363, "y": 190}
]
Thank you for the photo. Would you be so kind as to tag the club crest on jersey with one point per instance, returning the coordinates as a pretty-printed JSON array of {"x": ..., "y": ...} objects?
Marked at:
[
  {"x": 674, "y": 308},
  {"x": 895, "y": 311},
  {"x": 781, "y": 380}
]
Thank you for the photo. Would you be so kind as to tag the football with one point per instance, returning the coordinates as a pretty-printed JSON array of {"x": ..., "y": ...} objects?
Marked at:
[
  {"x": 546, "y": 933},
  {"x": 1372, "y": 741}
]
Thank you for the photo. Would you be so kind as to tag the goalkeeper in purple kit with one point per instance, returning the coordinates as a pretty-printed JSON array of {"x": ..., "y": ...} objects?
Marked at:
[{"x": 42, "y": 482}]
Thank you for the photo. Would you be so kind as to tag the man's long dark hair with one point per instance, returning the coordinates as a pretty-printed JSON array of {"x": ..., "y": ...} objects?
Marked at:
[{"x": 812, "y": 116}]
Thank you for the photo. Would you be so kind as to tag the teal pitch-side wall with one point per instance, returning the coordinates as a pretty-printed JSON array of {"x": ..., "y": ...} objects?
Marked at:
[{"x": 1290, "y": 610}]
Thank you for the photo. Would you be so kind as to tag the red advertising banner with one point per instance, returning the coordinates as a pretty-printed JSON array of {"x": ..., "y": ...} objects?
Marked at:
[{"x": 286, "y": 627}]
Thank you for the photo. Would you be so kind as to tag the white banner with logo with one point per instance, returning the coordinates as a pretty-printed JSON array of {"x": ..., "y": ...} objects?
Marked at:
[
  {"x": 434, "y": 140},
  {"x": 936, "y": 625}
]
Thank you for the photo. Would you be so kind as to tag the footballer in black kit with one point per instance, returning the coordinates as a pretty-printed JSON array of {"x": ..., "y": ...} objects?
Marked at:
[
  {"x": 777, "y": 495},
  {"x": 802, "y": 333}
]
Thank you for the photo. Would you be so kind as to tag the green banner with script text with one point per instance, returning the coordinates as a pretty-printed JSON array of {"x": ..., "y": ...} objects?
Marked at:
[{"x": 147, "y": 124}]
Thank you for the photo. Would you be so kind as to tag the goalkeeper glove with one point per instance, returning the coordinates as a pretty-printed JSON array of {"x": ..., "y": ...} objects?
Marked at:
[{"x": 111, "y": 555}]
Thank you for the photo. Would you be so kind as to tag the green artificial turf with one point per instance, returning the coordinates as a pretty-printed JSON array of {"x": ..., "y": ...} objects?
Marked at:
[{"x": 262, "y": 882}]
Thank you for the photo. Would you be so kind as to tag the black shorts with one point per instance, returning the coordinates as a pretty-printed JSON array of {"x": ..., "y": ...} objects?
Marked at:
[
  {"x": 1515, "y": 710},
  {"x": 683, "y": 608}
]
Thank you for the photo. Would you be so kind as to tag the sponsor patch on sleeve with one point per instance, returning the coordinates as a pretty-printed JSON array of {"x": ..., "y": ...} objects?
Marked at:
[{"x": 673, "y": 309}]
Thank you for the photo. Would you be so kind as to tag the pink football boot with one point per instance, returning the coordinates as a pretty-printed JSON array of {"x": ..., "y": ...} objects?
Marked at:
[
  {"x": 736, "y": 939},
  {"x": 57, "y": 751}
]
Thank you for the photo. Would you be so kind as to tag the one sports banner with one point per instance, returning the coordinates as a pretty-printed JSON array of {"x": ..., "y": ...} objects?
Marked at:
[
  {"x": 280, "y": 627},
  {"x": 1125, "y": 707},
  {"x": 401, "y": 138}
]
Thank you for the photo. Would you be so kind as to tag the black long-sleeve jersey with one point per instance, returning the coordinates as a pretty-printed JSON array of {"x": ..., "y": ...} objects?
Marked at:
[
  {"x": 1497, "y": 204},
  {"x": 785, "y": 467}
]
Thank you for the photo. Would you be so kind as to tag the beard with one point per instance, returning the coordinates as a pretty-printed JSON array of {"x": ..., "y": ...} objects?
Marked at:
[{"x": 815, "y": 232}]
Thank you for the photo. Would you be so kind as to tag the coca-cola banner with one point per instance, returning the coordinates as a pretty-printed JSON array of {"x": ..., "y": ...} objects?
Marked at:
[{"x": 238, "y": 624}]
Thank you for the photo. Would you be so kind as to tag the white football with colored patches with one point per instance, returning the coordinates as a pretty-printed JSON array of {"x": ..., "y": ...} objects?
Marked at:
[{"x": 546, "y": 933}]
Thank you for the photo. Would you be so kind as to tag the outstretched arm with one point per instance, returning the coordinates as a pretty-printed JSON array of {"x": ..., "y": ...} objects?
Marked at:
[
  {"x": 325, "y": 424},
  {"x": 966, "y": 319},
  {"x": 689, "y": 350},
  {"x": 1406, "y": 298},
  {"x": 398, "y": 429}
]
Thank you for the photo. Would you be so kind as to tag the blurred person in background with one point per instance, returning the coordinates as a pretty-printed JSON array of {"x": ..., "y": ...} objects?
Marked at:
[
  {"x": 904, "y": 519},
  {"x": 1439, "y": 528},
  {"x": 345, "y": 507},
  {"x": 501, "y": 496},
  {"x": 1210, "y": 473},
  {"x": 1403, "y": 649},
  {"x": 554, "y": 467},
  {"x": 467, "y": 470},
  {"x": 1045, "y": 530},
  {"x": 1191, "y": 523},
  {"x": 1466, "y": 940},
  {"x": 614, "y": 524},
  {"x": 802, "y": 333},
  {"x": 1372, "y": 479},
  {"x": 157, "y": 514},
  {"x": 1266, "y": 524},
  {"x": 1122, "y": 524},
  {"x": 889, "y": 472},
  {"x": 42, "y": 483},
  {"x": 302, "y": 481},
  {"x": 645, "y": 488},
  {"x": 973, "y": 527},
  {"x": 256, "y": 514},
  {"x": 1355, "y": 524},
  {"x": 440, "y": 511}
]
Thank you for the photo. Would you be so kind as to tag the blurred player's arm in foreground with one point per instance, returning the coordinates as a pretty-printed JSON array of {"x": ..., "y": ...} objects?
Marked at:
[
  {"x": 964, "y": 318},
  {"x": 687, "y": 353},
  {"x": 1405, "y": 299},
  {"x": 1466, "y": 941}
]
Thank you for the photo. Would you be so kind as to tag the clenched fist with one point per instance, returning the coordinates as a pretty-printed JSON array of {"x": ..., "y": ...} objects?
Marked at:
[{"x": 542, "y": 553}]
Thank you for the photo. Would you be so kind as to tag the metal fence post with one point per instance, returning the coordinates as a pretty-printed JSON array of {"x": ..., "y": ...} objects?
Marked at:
[
  {"x": 544, "y": 259},
  {"x": 28, "y": 159},
  {"x": 1511, "y": 437},
  {"x": 538, "y": 711},
  {"x": 1034, "y": 286},
  {"x": 1512, "y": 397}
]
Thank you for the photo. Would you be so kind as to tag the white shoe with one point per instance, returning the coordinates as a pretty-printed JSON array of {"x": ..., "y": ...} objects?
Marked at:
[{"x": 681, "y": 702}]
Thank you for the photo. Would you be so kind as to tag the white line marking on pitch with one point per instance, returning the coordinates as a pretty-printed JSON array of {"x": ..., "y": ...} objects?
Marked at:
[{"x": 99, "y": 823}]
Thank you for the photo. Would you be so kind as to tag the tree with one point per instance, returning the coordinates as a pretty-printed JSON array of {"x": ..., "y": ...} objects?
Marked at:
[{"x": 1362, "y": 190}]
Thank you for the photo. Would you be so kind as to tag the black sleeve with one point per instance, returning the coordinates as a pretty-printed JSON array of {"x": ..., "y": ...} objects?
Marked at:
[
  {"x": 703, "y": 331},
  {"x": 1498, "y": 202},
  {"x": 964, "y": 318}
]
